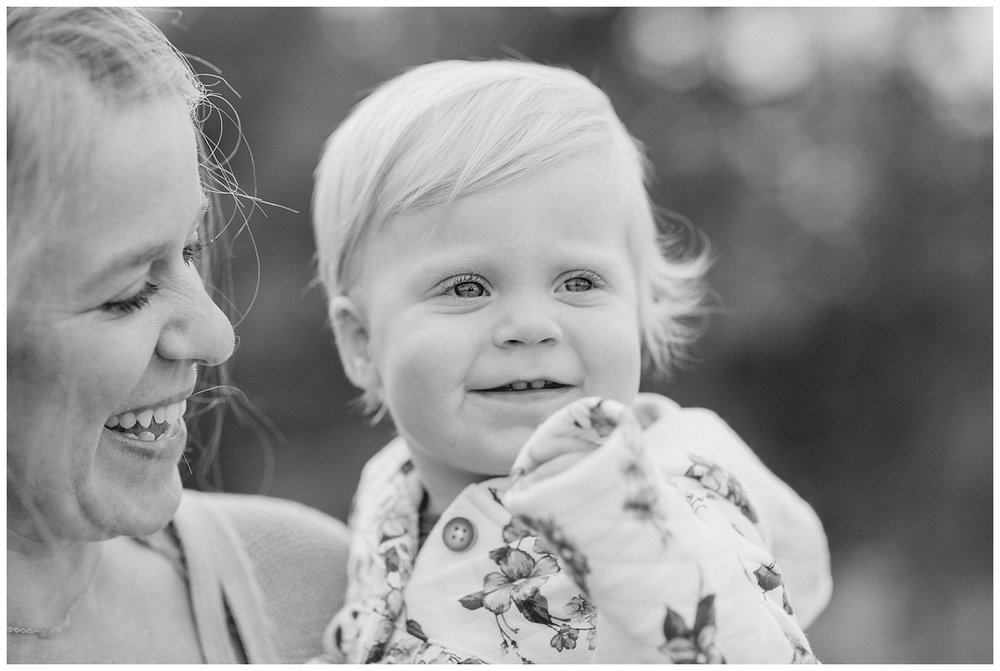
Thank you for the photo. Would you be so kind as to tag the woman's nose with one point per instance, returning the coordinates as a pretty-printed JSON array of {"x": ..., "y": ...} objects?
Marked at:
[
  {"x": 527, "y": 324},
  {"x": 198, "y": 330}
]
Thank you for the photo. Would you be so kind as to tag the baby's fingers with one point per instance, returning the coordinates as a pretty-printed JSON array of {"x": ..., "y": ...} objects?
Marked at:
[
  {"x": 551, "y": 467},
  {"x": 577, "y": 429},
  {"x": 536, "y": 454}
]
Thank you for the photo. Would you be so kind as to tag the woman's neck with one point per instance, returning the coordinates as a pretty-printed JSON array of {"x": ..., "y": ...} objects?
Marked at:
[
  {"x": 133, "y": 608},
  {"x": 45, "y": 578}
]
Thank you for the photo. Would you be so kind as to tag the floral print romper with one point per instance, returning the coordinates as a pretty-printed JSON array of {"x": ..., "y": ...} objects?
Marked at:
[{"x": 670, "y": 542}]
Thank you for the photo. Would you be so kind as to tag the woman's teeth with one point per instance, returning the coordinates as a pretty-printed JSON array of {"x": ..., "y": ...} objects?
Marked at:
[{"x": 149, "y": 424}]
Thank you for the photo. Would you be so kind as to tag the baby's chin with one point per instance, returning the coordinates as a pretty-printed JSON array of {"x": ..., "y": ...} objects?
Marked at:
[
  {"x": 489, "y": 456},
  {"x": 480, "y": 455},
  {"x": 506, "y": 451}
]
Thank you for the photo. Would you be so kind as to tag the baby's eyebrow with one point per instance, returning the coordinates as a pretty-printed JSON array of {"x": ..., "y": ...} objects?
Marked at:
[{"x": 471, "y": 260}]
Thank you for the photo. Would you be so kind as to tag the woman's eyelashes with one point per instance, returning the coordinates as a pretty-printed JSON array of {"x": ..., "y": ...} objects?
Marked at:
[
  {"x": 190, "y": 253},
  {"x": 193, "y": 249},
  {"x": 135, "y": 302}
]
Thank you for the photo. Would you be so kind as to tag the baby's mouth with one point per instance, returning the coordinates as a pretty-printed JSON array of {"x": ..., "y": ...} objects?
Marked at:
[
  {"x": 526, "y": 385},
  {"x": 148, "y": 425}
]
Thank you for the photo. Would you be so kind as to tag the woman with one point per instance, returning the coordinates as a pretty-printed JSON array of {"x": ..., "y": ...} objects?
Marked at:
[{"x": 108, "y": 324}]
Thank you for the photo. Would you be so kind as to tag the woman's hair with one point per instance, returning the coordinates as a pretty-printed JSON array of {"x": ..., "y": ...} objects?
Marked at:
[
  {"x": 67, "y": 67},
  {"x": 450, "y": 129}
]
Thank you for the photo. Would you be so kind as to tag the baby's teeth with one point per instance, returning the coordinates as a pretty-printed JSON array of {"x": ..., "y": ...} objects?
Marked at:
[
  {"x": 127, "y": 420},
  {"x": 159, "y": 414},
  {"x": 111, "y": 422},
  {"x": 537, "y": 384},
  {"x": 519, "y": 386},
  {"x": 147, "y": 436},
  {"x": 144, "y": 417},
  {"x": 172, "y": 412}
]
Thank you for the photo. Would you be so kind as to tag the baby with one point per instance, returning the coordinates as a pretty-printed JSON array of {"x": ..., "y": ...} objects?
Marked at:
[{"x": 496, "y": 284}]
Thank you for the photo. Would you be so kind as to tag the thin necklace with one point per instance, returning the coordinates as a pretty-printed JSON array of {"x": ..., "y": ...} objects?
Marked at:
[{"x": 49, "y": 632}]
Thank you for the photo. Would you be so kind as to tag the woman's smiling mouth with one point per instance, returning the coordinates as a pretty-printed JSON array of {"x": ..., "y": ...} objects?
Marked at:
[{"x": 148, "y": 425}]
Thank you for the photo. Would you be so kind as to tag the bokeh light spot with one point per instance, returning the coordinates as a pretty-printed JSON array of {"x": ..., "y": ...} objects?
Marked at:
[
  {"x": 765, "y": 54},
  {"x": 825, "y": 190},
  {"x": 668, "y": 45},
  {"x": 950, "y": 52}
]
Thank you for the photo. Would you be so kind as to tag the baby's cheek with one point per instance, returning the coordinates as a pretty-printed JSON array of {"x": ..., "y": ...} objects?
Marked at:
[
  {"x": 418, "y": 374},
  {"x": 413, "y": 381},
  {"x": 616, "y": 359}
]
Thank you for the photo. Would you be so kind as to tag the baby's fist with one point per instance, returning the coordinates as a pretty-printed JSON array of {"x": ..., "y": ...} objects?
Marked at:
[{"x": 566, "y": 437}]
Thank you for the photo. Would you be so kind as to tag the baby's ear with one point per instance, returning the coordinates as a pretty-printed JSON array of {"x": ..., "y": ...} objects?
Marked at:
[{"x": 351, "y": 332}]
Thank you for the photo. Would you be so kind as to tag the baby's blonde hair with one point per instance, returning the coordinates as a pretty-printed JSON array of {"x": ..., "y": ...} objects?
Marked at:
[{"x": 450, "y": 129}]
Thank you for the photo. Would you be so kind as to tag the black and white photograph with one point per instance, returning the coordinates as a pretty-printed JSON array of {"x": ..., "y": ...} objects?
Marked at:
[{"x": 500, "y": 334}]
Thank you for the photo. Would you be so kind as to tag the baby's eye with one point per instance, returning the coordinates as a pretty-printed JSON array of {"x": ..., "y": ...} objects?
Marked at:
[
  {"x": 469, "y": 290},
  {"x": 578, "y": 284},
  {"x": 466, "y": 286},
  {"x": 583, "y": 280}
]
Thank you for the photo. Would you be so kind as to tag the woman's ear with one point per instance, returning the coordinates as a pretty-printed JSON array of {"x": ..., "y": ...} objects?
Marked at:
[{"x": 351, "y": 333}]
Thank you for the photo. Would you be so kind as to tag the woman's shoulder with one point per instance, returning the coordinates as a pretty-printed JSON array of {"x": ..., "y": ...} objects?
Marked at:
[
  {"x": 267, "y": 521},
  {"x": 297, "y": 554}
]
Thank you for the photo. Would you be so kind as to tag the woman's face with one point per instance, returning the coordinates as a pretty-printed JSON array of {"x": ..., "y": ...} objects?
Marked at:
[{"x": 107, "y": 326}]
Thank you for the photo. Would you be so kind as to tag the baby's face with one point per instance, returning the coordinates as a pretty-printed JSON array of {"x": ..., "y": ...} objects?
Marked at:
[{"x": 486, "y": 317}]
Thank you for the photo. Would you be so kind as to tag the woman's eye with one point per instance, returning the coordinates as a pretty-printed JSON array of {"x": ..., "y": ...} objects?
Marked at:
[
  {"x": 192, "y": 252},
  {"x": 133, "y": 303}
]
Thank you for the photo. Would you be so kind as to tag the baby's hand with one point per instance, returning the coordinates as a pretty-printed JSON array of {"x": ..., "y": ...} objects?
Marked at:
[{"x": 566, "y": 437}]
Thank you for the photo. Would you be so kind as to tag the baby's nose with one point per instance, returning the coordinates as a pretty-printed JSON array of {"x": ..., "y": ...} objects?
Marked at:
[{"x": 526, "y": 325}]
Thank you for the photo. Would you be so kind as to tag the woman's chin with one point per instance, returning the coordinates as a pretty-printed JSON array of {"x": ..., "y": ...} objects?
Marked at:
[
  {"x": 93, "y": 513},
  {"x": 132, "y": 506},
  {"x": 133, "y": 515}
]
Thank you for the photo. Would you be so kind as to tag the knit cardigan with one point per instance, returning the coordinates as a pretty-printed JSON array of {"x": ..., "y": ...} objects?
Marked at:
[{"x": 272, "y": 570}]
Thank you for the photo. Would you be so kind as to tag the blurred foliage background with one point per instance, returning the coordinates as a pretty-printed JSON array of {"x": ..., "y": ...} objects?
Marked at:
[{"x": 840, "y": 163}]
